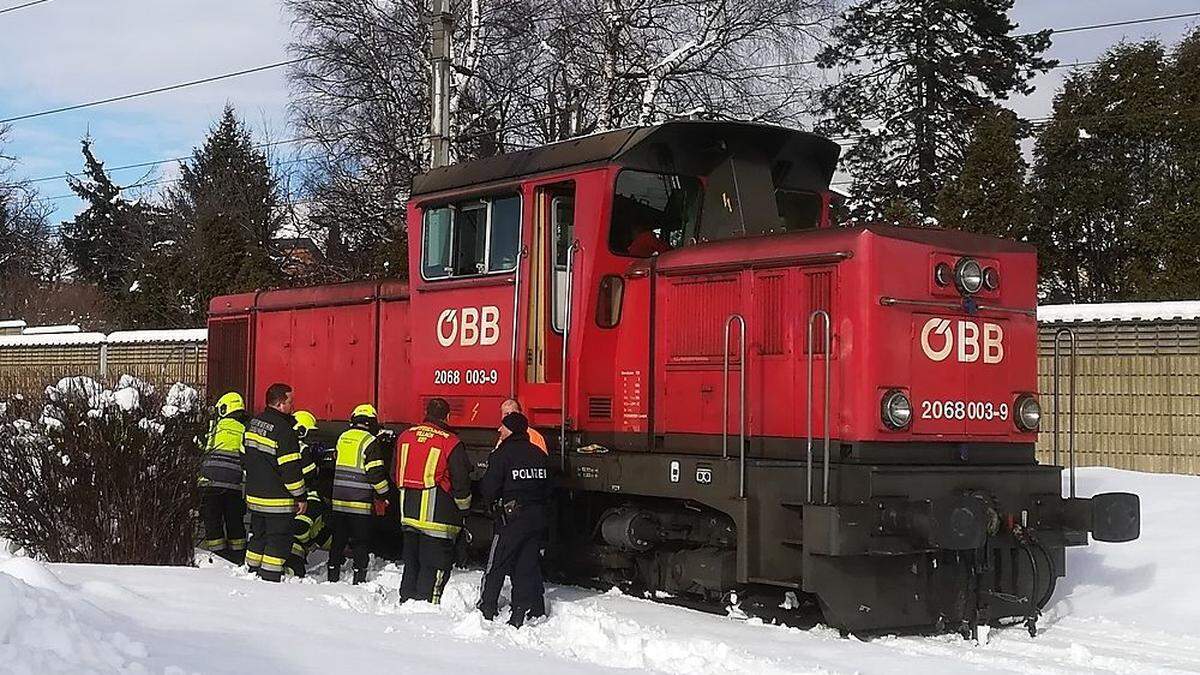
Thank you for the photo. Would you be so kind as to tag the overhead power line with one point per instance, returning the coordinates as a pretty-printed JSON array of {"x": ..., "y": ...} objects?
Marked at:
[
  {"x": 23, "y": 5},
  {"x": 156, "y": 90}
]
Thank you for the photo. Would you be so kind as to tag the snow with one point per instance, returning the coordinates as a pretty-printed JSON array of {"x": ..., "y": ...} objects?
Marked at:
[
  {"x": 43, "y": 330},
  {"x": 127, "y": 398},
  {"x": 51, "y": 339},
  {"x": 180, "y": 399},
  {"x": 1121, "y": 311},
  {"x": 12, "y": 324},
  {"x": 1127, "y": 608},
  {"x": 171, "y": 335}
]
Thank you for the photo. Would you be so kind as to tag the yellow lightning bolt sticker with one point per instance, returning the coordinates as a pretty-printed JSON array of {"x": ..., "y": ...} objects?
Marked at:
[{"x": 474, "y": 412}]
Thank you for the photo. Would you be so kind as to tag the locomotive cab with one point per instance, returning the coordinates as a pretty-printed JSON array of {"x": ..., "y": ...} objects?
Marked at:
[{"x": 738, "y": 395}]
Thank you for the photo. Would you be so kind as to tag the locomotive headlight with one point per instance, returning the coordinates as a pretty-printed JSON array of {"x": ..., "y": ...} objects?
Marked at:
[
  {"x": 943, "y": 275},
  {"x": 896, "y": 409},
  {"x": 991, "y": 278},
  {"x": 1029, "y": 413},
  {"x": 968, "y": 276}
]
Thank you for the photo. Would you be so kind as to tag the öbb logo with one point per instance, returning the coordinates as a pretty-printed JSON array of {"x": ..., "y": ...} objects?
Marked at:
[
  {"x": 469, "y": 326},
  {"x": 941, "y": 337}
]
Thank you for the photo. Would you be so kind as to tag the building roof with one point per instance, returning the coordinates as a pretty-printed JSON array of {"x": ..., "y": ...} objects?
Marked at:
[
  {"x": 48, "y": 339},
  {"x": 170, "y": 335},
  {"x": 42, "y": 330},
  {"x": 1184, "y": 310}
]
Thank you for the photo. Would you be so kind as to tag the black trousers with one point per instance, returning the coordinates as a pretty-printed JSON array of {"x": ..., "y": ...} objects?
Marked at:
[
  {"x": 270, "y": 543},
  {"x": 427, "y": 563},
  {"x": 224, "y": 515},
  {"x": 355, "y": 530},
  {"x": 516, "y": 553}
]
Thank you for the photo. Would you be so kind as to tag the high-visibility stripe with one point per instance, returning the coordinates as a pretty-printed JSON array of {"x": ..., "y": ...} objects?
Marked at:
[
  {"x": 290, "y": 457},
  {"x": 260, "y": 440},
  {"x": 431, "y": 463},
  {"x": 267, "y": 501},
  {"x": 342, "y": 504},
  {"x": 403, "y": 463},
  {"x": 439, "y": 530},
  {"x": 213, "y": 544},
  {"x": 381, "y": 487},
  {"x": 305, "y": 519},
  {"x": 425, "y": 505},
  {"x": 464, "y": 503},
  {"x": 272, "y": 564},
  {"x": 296, "y": 488},
  {"x": 253, "y": 559},
  {"x": 308, "y": 468},
  {"x": 436, "y": 598},
  {"x": 237, "y": 544},
  {"x": 297, "y": 549},
  {"x": 372, "y": 464}
]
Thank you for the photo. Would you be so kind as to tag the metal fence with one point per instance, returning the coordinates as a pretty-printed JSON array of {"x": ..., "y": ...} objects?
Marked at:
[
  {"x": 28, "y": 364},
  {"x": 1137, "y": 394}
]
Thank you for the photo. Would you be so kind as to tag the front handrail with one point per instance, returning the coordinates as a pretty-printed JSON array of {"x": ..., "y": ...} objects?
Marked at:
[
  {"x": 742, "y": 398},
  {"x": 1071, "y": 401},
  {"x": 562, "y": 434},
  {"x": 812, "y": 319},
  {"x": 516, "y": 326}
]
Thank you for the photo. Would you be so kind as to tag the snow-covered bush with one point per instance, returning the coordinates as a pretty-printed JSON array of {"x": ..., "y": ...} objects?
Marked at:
[{"x": 100, "y": 474}]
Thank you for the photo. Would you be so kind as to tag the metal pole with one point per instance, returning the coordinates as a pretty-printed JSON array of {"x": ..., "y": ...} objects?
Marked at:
[
  {"x": 562, "y": 436},
  {"x": 725, "y": 382},
  {"x": 516, "y": 326},
  {"x": 1070, "y": 402},
  {"x": 439, "y": 62}
]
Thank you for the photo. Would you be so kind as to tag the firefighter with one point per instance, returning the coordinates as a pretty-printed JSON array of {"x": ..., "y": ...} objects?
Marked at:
[
  {"x": 517, "y": 484},
  {"x": 359, "y": 482},
  {"x": 221, "y": 505},
  {"x": 433, "y": 473},
  {"x": 311, "y": 528},
  {"x": 275, "y": 490},
  {"x": 512, "y": 405}
]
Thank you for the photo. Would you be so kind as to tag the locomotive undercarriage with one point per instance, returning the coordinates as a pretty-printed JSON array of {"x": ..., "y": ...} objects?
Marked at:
[{"x": 897, "y": 547}]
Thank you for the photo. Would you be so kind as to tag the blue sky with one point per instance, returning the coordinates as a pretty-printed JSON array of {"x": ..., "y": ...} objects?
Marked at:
[{"x": 69, "y": 51}]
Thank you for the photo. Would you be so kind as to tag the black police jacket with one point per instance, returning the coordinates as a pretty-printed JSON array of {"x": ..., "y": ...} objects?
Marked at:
[{"x": 517, "y": 471}]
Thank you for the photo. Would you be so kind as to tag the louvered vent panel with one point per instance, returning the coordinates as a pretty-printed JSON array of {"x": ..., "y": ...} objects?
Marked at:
[
  {"x": 769, "y": 314},
  {"x": 820, "y": 289},
  {"x": 600, "y": 407},
  {"x": 697, "y": 313}
]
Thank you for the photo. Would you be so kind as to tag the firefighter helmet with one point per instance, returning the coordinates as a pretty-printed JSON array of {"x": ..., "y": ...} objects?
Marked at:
[
  {"x": 230, "y": 403},
  {"x": 365, "y": 410},
  {"x": 305, "y": 422}
]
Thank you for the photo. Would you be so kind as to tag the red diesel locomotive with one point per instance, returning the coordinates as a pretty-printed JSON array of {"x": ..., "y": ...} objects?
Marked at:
[{"x": 739, "y": 394}]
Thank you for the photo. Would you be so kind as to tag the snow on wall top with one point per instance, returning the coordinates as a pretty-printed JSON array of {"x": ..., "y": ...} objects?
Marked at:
[
  {"x": 12, "y": 323},
  {"x": 41, "y": 330},
  {"x": 46, "y": 339},
  {"x": 191, "y": 335},
  {"x": 174, "y": 335},
  {"x": 1186, "y": 310}
]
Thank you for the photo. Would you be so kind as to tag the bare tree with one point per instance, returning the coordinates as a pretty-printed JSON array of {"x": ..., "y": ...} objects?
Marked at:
[{"x": 523, "y": 73}]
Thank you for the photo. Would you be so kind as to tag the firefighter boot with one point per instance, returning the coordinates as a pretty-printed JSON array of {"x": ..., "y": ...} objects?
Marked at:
[
  {"x": 333, "y": 573},
  {"x": 360, "y": 575}
]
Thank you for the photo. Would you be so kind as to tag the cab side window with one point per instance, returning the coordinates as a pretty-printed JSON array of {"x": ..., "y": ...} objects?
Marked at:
[
  {"x": 472, "y": 237},
  {"x": 653, "y": 213}
]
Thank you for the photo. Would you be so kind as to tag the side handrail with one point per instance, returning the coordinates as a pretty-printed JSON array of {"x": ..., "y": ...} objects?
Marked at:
[
  {"x": 812, "y": 319},
  {"x": 742, "y": 397},
  {"x": 516, "y": 325},
  {"x": 1071, "y": 401},
  {"x": 562, "y": 434}
]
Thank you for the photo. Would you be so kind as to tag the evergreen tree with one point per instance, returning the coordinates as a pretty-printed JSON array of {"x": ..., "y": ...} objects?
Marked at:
[
  {"x": 1102, "y": 168},
  {"x": 989, "y": 194},
  {"x": 914, "y": 76},
  {"x": 112, "y": 243},
  {"x": 227, "y": 204}
]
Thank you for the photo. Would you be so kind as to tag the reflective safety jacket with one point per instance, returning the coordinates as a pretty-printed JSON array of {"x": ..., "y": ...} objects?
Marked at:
[
  {"x": 274, "y": 480},
  {"x": 433, "y": 473},
  {"x": 221, "y": 466},
  {"x": 359, "y": 474}
]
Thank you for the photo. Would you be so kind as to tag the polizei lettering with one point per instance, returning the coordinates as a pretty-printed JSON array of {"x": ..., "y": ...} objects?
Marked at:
[
  {"x": 966, "y": 340},
  {"x": 530, "y": 474}
]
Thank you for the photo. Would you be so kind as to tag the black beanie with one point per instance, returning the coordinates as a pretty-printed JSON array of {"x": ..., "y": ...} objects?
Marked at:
[{"x": 516, "y": 423}]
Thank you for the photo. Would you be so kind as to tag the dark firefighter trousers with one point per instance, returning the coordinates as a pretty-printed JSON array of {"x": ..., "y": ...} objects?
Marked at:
[
  {"x": 355, "y": 530},
  {"x": 516, "y": 553},
  {"x": 427, "y": 563},
  {"x": 311, "y": 530},
  {"x": 270, "y": 543},
  {"x": 223, "y": 513}
]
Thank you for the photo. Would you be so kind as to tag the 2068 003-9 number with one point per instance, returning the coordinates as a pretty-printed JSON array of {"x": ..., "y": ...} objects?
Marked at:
[
  {"x": 964, "y": 410},
  {"x": 468, "y": 376}
]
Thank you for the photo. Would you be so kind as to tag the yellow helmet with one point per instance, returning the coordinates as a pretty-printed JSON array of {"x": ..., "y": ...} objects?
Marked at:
[
  {"x": 305, "y": 422},
  {"x": 364, "y": 410},
  {"x": 230, "y": 403}
]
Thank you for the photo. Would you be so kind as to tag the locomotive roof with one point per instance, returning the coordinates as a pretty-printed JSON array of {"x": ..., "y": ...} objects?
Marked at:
[{"x": 808, "y": 160}]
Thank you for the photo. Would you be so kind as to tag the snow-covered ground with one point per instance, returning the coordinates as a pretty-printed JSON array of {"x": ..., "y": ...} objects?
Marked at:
[{"x": 1131, "y": 608}]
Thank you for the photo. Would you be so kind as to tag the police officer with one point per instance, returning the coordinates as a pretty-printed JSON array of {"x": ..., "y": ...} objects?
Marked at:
[
  {"x": 517, "y": 483},
  {"x": 433, "y": 473},
  {"x": 221, "y": 505},
  {"x": 275, "y": 490},
  {"x": 359, "y": 480},
  {"x": 310, "y": 528}
]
